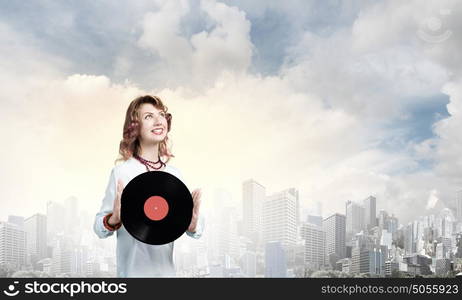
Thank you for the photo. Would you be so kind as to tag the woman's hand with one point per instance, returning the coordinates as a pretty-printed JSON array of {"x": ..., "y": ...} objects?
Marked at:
[
  {"x": 196, "y": 195},
  {"x": 115, "y": 218}
]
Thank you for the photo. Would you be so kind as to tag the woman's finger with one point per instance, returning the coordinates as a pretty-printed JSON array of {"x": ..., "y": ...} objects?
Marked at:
[
  {"x": 194, "y": 194},
  {"x": 197, "y": 203},
  {"x": 196, "y": 198},
  {"x": 120, "y": 186}
]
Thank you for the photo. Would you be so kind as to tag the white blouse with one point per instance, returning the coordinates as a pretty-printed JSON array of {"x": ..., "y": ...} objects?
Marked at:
[{"x": 135, "y": 258}]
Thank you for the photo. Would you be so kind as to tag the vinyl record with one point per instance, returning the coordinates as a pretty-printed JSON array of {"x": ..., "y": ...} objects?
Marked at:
[{"x": 156, "y": 207}]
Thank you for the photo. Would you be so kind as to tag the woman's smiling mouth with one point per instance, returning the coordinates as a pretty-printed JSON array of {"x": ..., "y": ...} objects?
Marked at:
[{"x": 157, "y": 131}]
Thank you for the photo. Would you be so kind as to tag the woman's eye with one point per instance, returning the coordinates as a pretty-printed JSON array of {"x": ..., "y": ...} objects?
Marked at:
[{"x": 147, "y": 116}]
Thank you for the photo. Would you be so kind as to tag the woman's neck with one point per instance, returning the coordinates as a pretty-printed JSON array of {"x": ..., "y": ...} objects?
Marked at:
[{"x": 149, "y": 152}]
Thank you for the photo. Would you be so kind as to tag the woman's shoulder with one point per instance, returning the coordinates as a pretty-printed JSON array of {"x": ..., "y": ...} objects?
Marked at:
[
  {"x": 174, "y": 171},
  {"x": 172, "y": 168},
  {"x": 131, "y": 164},
  {"x": 124, "y": 166}
]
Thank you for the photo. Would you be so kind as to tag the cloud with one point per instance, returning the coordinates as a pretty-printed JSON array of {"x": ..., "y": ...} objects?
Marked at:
[
  {"x": 428, "y": 28},
  {"x": 432, "y": 199},
  {"x": 315, "y": 124},
  {"x": 198, "y": 60},
  {"x": 374, "y": 85},
  {"x": 23, "y": 60},
  {"x": 449, "y": 142}
]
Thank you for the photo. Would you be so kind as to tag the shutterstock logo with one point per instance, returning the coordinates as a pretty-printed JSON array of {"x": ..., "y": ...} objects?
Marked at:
[
  {"x": 66, "y": 288},
  {"x": 10, "y": 291}
]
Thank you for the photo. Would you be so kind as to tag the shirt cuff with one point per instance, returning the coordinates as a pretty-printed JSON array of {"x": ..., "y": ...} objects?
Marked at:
[
  {"x": 108, "y": 226},
  {"x": 199, "y": 228}
]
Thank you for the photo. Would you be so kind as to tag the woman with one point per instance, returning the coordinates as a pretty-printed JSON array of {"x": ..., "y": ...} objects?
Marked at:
[{"x": 143, "y": 148}]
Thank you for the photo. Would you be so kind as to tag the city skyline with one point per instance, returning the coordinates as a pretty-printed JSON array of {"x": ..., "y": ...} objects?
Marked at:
[{"x": 58, "y": 244}]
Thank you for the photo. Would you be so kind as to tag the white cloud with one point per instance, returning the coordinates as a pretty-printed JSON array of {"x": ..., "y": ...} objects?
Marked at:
[
  {"x": 449, "y": 142},
  {"x": 432, "y": 199},
  {"x": 314, "y": 126},
  {"x": 197, "y": 61},
  {"x": 375, "y": 85},
  {"x": 22, "y": 60},
  {"x": 161, "y": 33}
]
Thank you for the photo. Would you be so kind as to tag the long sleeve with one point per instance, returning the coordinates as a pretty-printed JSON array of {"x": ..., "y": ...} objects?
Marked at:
[
  {"x": 200, "y": 222},
  {"x": 106, "y": 208},
  {"x": 199, "y": 228}
]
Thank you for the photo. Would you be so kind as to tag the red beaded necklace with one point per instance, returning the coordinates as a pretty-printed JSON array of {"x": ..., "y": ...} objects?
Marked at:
[{"x": 150, "y": 164}]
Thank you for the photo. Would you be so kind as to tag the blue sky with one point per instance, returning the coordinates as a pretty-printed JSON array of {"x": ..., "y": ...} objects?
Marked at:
[
  {"x": 91, "y": 42},
  {"x": 365, "y": 94}
]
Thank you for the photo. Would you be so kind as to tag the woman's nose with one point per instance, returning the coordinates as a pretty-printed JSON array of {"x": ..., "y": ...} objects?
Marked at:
[{"x": 156, "y": 119}]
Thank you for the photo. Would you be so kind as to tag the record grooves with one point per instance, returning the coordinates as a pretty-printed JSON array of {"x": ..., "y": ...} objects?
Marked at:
[{"x": 156, "y": 207}]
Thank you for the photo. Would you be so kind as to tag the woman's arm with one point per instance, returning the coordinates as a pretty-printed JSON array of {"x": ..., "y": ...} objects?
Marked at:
[
  {"x": 200, "y": 225},
  {"x": 106, "y": 208},
  {"x": 199, "y": 228}
]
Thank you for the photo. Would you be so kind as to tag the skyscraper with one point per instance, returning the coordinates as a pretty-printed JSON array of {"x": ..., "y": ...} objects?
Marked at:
[
  {"x": 12, "y": 245},
  {"x": 366, "y": 256},
  {"x": 18, "y": 220},
  {"x": 226, "y": 237},
  {"x": 36, "y": 228},
  {"x": 360, "y": 260},
  {"x": 459, "y": 205},
  {"x": 370, "y": 212},
  {"x": 410, "y": 237},
  {"x": 56, "y": 219},
  {"x": 275, "y": 260},
  {"x": 383, "y": 216},
  {"x": 315, "y": 246},
  {"x": 63, "y": 249},
  {"x": 335, "y": 228},
  {"x": 354, "y": 219},
  {"x": 392, "y": 226},
  {"x": 253, "y": 195},
  {"x": 71, "y": 209},
  {"x": 279, "y": 218},
  {"x": 296, "y": 195},
  {"x": 377, "y": 261}
]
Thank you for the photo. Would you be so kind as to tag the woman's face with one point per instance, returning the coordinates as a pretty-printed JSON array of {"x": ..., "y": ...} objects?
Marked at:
[{"x": 153, "y": 124}]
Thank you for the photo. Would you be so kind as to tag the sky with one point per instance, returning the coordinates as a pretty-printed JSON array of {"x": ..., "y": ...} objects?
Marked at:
[{"x": 340, "y": 99}]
